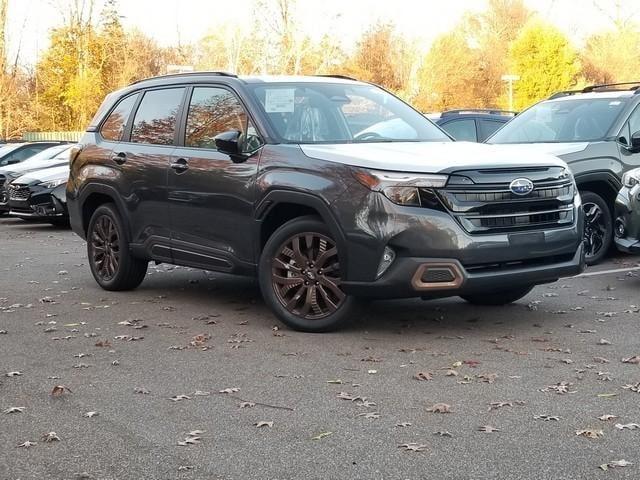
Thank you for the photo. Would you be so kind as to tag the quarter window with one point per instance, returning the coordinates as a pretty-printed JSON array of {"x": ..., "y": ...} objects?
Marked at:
[
  {"x": 155, "y": 120},
  {"x": 211, "y": 112},
  {"x": 113, "y": 127}
]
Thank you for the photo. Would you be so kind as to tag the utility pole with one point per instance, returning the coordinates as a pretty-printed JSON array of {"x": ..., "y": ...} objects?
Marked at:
[{"x": 510, "y": 79}]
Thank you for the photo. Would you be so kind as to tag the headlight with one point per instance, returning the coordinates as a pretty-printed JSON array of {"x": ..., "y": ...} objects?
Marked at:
[
  {"x": 400, "y": 188},
  {"x": 54, "y": 183},
  {"x": 631, "y": 178}
]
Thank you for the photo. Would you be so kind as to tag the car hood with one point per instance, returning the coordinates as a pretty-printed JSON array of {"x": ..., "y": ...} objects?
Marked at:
[
  {"x": 27, "y": 166},
  {"x": 550, "y": 148},
  {"x": 428, "y": 157},
  {"x": 44, "y": 175}
]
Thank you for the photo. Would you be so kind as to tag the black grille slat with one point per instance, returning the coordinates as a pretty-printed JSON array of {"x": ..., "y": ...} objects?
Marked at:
[
  {"x": 493, "y": 208},
  {"x": 19, "y": 193}
]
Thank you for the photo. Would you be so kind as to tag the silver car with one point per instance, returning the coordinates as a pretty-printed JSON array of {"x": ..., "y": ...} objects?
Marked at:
[{"x": 627, "y": 226}]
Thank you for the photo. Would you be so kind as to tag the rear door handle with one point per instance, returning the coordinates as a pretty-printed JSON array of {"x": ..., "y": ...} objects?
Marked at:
[
  {"x": 119, "y": 158},
  {"x": 180, "y": 165}
]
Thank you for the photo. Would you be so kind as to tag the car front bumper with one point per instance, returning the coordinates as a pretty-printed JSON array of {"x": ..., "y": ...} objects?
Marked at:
[
  {"x": 45, "y": 204},
  {"x": 627, "y": 223}
]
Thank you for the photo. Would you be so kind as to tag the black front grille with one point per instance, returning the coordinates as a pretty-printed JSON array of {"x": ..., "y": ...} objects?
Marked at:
[
  {"x": 4, "y": 198},
  {"x": 492, "y": 207},
  {"x": 19, "y": 192}
]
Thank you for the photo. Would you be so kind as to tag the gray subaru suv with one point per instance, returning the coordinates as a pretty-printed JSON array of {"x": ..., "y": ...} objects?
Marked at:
[
  {"x": 595, "y": 130},
  {"x": 327, "y": 189}
]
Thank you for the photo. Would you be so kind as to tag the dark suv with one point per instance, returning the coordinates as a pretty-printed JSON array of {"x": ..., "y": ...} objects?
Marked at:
[
  {"x": 327, "y": 189},
  {"x": 595, "y": 130}
]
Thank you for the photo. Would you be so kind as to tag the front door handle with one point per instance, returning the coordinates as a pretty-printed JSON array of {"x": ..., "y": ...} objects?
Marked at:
[
  {"x": 119, "y": 158},
  {"x": 180, "y": 165}
]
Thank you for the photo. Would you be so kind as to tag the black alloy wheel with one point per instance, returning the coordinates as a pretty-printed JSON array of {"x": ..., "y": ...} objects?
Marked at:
[
  {"x": 598, "y": 227},
  {"x": 105, "y": 248}
]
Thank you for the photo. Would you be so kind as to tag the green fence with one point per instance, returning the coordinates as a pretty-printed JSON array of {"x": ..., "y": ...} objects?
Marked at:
[{"x": 52, "y": 136}]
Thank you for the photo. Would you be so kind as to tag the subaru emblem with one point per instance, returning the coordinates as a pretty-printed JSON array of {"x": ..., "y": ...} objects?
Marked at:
[{"x": 521, "y": 186}]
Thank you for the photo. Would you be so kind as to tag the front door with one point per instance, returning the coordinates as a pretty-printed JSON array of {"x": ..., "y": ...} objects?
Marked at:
[{"x": 211, "y": 197}]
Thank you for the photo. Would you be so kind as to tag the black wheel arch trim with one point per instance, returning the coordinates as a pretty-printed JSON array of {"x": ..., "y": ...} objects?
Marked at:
[
  {"x": 111, "y": 192},
  {"x": 610, "y": 179},
  {"x": 276, "y": 197}
]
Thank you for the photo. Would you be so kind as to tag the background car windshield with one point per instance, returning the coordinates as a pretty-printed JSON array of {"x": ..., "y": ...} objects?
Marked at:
[
  {"x": 575, "y": 120},
  {"x": 48, "y": 154},
  {"x": 342, "y": 113}
]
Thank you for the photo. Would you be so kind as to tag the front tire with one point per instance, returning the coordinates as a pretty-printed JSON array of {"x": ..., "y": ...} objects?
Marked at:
[
  {"x": 110, "y": 259},
  {"x": 598, "y": 227},
  {"x": 300, "y": 277},
  {"x": 502, "y": 297}
]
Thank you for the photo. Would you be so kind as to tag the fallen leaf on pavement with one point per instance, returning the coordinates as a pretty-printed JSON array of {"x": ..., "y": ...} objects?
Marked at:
[
  {"x": 13, "y": 374},
  {"x": 229, "y": 390},
  {"x": 14, "y": 410},
  {"x": 606, "y": 418},
  {"x": 178, "y": 398},
  {"x": 615, "y": 464},
  {"x": 90, "y": 414},
  {"x": 590, "y": 433},
  {"x": 247, "y": 404},
  {"x": 423, "y": 376},
  {"x": 488, "y": 429},
  {"x": 628, "y": 426},
  {"x": 413, "y": 447},
  {"x": 547, "y": 418},
  {"x": 321, "y": 435},
  {"x": 443, "y": 433},
  {"x": 263, "y": 424},
  {"x": 50, "y": 437},
  {"x": 27, "y": 444},
  {"x": 403, "y": 424},
  {"x": 370, "y": 415},
  {"x": 59, "y": 390},
  {"x": 635, "y": 360},
  {"x": 440, "y": 408}
]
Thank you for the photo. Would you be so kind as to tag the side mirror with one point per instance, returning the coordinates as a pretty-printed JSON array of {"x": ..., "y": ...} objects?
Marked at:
[
  {"x": 15, "y": 160},
  {"x": 228, "y": 142},
  {"x": 635, "y": 142}
]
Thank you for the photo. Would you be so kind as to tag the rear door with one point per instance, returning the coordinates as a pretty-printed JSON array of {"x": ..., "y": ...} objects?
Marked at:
[
  {"x": 211, "y": 197},
  {"x": 143, "y": 161}
]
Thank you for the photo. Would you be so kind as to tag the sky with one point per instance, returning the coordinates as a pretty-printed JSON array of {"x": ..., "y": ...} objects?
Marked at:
[{"x": 173, "y": 21}]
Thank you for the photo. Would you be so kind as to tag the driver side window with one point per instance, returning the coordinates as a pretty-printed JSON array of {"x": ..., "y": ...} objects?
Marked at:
[{"x": 215, "y": 110}]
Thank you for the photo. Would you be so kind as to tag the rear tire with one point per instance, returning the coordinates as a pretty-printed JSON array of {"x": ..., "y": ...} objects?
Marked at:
[
  {"x": 300, "y": 276},
  {"x": 110, "y": 259},
  {"x": 502, "y": 297},
  {"x": 598, "y": 227}
]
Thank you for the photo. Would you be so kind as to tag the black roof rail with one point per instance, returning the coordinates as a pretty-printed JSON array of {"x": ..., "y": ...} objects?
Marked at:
[
  {"x": 188, "y": 74},
  {"x": 491, "y": 111},
  {"x": 343, "y": 77},
  {"x": 607, "y": 86},
  {"x": 604, "y": 87}
]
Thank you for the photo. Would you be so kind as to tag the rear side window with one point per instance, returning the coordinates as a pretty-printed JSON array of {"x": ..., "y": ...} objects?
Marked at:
[
  {"x": 113, "y": 127},
  {"x": 488, "y": 128},
  {"x": 155, "y": 120},
  {"x": 212, "y": 111},
  {"x": 461, "y": 130}
]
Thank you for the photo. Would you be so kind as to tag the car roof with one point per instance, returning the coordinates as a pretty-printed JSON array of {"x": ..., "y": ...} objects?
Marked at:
[{"x": 594, "y": 95}]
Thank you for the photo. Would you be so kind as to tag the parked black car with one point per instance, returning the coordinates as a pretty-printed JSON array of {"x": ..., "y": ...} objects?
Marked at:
[
  {"x": 50, "y": 157},
  {"x": 627, "y": 225},
  {"x": 41, "y": 196},
  {"x": 11, "y": 153},
  {"x": 596, "y": 130},
  {"x": 472, "y": 125},
  {"x": 327, "y": 189}
]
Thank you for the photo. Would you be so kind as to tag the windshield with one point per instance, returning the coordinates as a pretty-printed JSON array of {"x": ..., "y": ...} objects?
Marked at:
[
  {"x": 567, "y": 120},
  {"x": 342, "y": 113}
]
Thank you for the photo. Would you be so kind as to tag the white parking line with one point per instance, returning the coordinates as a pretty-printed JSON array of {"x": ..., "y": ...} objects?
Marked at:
[{"x": 607, "y": 272}]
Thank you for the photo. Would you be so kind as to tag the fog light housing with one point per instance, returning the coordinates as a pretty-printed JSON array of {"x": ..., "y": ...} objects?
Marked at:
[
  {"x": 388, "y": 256},
  {"x": 620, "y": 228}
]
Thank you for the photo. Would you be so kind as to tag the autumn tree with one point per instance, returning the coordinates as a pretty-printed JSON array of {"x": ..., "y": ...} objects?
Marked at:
[
  {"x": 611, "y": 56},
  {"x": 545, "y": 60}
]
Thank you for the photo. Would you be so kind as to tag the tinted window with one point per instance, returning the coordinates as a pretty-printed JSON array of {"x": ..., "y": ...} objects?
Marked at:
[
  {"x": 461, "y": 130},
  {"x": 155, "y": 120},
  {"x": 113, "y": 127},
  {"x": 22, "y": 154},
  {"x": 488, "y": 128},
  {"x": 212, "y": 111}
]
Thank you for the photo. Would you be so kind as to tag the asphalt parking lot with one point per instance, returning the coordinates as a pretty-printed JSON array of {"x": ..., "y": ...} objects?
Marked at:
[{"x": 186, "y": 373}]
